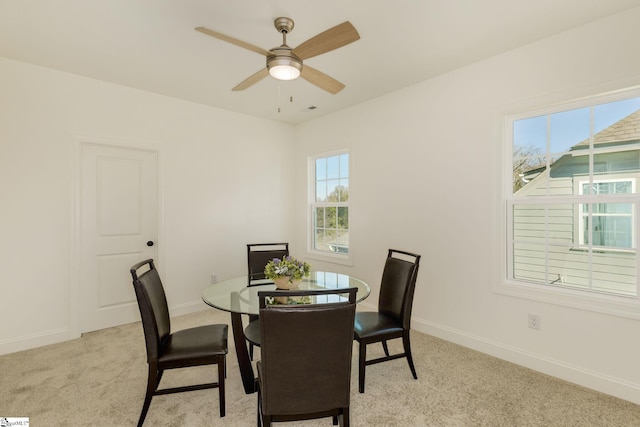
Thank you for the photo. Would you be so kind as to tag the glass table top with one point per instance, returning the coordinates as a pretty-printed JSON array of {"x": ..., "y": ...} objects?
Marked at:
[{"x": 235, "y": 296}]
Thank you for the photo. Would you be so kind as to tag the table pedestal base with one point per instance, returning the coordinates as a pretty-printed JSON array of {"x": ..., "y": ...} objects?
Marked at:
[{"x": 244, "y": 362}]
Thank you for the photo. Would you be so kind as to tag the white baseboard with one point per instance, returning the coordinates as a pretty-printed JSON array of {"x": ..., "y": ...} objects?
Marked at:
[
  {"x": 186, "y": 308},
  {"x": 37, "y": 340},
  {"x": 55, "y": 336},
  {"x": 590, "y": 379}
]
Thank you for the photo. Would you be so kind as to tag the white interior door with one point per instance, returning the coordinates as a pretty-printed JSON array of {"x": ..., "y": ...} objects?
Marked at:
[{"x": 119, "y": 204}]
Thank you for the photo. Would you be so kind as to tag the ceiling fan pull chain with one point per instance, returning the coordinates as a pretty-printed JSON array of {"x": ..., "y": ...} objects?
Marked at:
[{"x": 278, "y": 91}]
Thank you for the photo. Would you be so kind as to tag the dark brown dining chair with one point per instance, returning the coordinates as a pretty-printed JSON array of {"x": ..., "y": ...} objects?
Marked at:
[
  {"x": 258, "y": 255},
  {"x": 202, "y": 345},
  {"x": 393, "y": 318},
  {"x": 306, "y": 349}
]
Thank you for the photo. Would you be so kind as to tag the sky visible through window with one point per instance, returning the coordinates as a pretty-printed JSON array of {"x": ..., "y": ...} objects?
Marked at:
[
  {"x": 331, "y": 174},
  {"x": 568, "y": 128}
]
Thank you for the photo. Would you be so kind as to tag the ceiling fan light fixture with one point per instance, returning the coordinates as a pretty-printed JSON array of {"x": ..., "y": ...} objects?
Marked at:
[
  {"x": 284, "y": 72},
  {"x": 284, "y": 67}
]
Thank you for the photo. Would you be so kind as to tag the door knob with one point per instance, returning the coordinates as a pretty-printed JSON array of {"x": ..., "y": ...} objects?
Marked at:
[{"x": 150, "y": 243}]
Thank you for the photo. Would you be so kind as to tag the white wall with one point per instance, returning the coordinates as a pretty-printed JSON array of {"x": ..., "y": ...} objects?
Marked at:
[
  {"x": 426, "y": 178},
  {"x": 216, "y": 169}
]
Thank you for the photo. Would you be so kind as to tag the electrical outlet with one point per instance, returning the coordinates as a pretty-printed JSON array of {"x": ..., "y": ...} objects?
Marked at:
[
  {"x": 534, "y": 321},
  {"x": 214, "y": 278}
]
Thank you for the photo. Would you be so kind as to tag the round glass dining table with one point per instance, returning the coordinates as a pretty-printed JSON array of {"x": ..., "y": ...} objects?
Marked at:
[{"x": 238, "y": 297}]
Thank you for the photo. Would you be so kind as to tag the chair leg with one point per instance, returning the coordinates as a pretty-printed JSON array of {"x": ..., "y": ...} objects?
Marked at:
[
  {"x": 222, "y": 369},
  {"x": 385, "y": 348},
  {"x": 153, "y": 381},
  {"x": 259, "y": 407},
  {"x": 407, "y": 349},
  {"x": 335, "y": 420},
  {"x": 361, "y": 365},
  {"x": 344, "y": 418},
  {"x": 252, "y": 318}
]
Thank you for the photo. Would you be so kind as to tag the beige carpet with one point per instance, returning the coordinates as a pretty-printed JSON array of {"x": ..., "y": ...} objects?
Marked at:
[{"x": 100, "y": 380}]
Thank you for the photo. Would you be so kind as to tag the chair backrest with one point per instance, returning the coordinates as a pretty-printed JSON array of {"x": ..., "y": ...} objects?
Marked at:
[
  {"x": 152, "y": 303},
  {"x": 306, "y": 352},
  {"x": 259, "y": 254},
  {"x": 398, "y": 285}
]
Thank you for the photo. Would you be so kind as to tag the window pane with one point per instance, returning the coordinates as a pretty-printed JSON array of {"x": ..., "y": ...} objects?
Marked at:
[
  {"x": 529, "y": 262},
  {"x": 542, "y": 238},
  {"x": 321, "y": 169},
  {"x": 330, "y": 217},
  {"x": 623, "y": 187},
  {"x": 320, "y": 241},
  {"x": 569, "y": 128},
  {"x": 605, "y": 115},
  {"x": 344, "y": 190},
  {"x": 333, "y": 192},
  {"x": 333, "y": 167},
  {"x": 343, "y": 218},
  {"x": 530, "y": 136},
  {"x": 529, "y": 150},
  {"x": 611, "y": 208},
  {"x": 329, "y": 239},
  {"x": 598, "y": 271},
  {"x": 321, "y": 191},
  {"x": 319, "y": 218},
  {"x": 344, "y": 165},
  {"x": 617, "y": 162},
  {"x": 614, "y": 273},
  {"x": 525, "y": 170},
  {"x": 611, "y": 225}
]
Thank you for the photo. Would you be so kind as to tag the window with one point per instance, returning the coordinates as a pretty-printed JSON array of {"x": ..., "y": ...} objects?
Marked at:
[
  {"x": 330, "y": 204},
  {"x": 572, "y": 203}
]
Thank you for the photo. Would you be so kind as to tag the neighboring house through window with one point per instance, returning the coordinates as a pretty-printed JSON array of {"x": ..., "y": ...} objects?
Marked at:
[
  {"x": 330, "y": 204},
  {"x": 609, "y": 225},
  {"x": 573, "y": 202}
]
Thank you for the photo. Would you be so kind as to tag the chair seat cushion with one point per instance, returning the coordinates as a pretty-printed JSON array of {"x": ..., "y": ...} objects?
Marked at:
[
  {"x": 195, "y": 344},
  {"x": 252, "y": 332},
  {"x": 370, "y": 324}
]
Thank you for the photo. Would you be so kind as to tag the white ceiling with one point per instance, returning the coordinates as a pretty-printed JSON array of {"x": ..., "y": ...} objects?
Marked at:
[{"x": 151, "y": 44}]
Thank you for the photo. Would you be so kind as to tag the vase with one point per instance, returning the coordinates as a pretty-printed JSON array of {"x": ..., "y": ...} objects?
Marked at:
[{"x": 286, "y": 282}]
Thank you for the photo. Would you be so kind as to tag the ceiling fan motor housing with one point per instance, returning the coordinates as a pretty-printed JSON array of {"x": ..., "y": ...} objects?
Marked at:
[{"x": 283, "y": 64}]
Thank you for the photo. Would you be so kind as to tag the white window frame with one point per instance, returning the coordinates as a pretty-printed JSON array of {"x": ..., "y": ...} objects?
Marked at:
[
  {"x": 334, "y": 257},
  {"x": 622, "y": 306}
]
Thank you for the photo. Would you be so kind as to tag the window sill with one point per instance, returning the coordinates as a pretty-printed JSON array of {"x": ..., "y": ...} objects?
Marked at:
[
  {"x": 341, "y": 259},
  {"x": 628, "y": 307}
]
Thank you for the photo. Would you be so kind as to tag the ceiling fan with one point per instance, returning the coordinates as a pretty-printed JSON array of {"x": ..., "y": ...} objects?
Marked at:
[{"x": 285, "y": 63}]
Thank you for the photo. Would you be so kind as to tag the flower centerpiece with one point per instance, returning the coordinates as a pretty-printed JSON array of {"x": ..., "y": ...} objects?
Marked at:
[{"x": 287, "y": 272}]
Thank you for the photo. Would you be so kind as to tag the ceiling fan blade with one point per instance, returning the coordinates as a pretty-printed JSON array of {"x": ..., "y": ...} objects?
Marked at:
[
  {"x": 232, "y": 40},
  {"x": 250, "y": 81},
  {"x": 321, "y": 80},
  {"x": 328, "y": 40}
]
